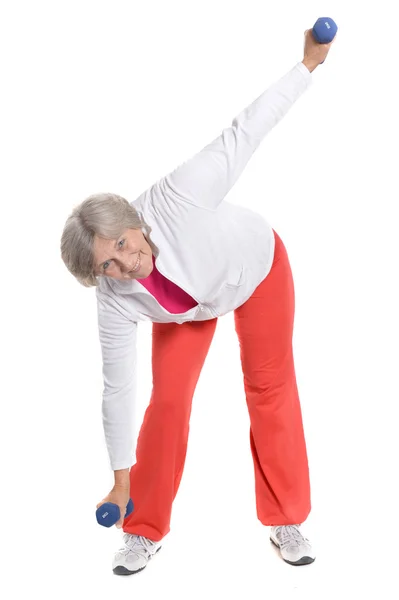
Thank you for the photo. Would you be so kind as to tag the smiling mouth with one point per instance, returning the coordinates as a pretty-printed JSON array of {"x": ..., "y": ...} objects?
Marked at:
[{"x": 137, "y": 265}]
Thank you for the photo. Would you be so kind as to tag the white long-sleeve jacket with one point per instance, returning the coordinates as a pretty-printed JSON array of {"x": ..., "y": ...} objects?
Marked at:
[{"x": 216, "y": 251}]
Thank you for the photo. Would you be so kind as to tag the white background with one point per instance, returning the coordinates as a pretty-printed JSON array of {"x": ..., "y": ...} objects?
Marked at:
[{"x": 110, "y": 96}]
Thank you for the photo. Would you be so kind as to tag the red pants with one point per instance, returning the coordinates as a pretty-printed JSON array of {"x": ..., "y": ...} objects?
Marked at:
[{"x": 264, "y": 326}]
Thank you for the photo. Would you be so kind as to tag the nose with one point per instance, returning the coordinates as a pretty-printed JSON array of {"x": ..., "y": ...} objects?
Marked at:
[{"x": 128, "y": 263}]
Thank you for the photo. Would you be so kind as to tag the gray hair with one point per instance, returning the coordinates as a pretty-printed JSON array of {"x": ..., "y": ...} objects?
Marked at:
[{"x": 104, "y": 215}]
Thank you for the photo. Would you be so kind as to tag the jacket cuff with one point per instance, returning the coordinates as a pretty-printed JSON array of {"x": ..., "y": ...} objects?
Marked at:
[{"x": 305, "y": 72}]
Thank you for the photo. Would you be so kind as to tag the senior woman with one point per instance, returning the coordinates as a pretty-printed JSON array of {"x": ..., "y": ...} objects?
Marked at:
[{"x": 180, "y": 256}]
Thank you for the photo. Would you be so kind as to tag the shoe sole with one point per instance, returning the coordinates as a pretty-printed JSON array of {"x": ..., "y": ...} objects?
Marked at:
[
  {"x": 123, "y": 571},
  {"x": 305, "y": 560}
]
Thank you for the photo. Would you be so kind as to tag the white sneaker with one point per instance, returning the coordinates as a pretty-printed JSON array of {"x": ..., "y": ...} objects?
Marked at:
[
  {"x": 134, "y": 556},
  {"x": 295, "y": 549}
]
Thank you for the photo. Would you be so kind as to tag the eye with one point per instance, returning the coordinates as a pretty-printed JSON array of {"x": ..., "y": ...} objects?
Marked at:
[{"x": 106, "y": 264}]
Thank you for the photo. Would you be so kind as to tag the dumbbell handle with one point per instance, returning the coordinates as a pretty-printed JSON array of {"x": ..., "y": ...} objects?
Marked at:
[{"x": 108, "y": 513}]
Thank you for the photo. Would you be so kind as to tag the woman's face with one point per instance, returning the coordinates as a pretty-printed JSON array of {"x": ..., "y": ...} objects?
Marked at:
[{"x": 128, "y": 257}]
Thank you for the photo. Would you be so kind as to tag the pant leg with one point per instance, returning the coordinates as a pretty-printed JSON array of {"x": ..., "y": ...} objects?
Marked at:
[
  {"x": 264, "y": 325},
  {"x": 178, "y": 354}
]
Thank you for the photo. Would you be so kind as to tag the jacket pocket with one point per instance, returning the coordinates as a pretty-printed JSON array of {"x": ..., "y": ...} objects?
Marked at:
[{"x": 240, "y": 281}]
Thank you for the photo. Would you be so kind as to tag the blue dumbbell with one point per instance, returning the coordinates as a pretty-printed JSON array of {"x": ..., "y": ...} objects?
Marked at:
[
  {"x": 108, "y": 513},
  {"x": 324, "y": 31}
]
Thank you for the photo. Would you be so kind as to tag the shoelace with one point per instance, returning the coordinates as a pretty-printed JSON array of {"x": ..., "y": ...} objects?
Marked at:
[
  {"x": 136, "y": 544},
  {"x": 290, "y": 535}
]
